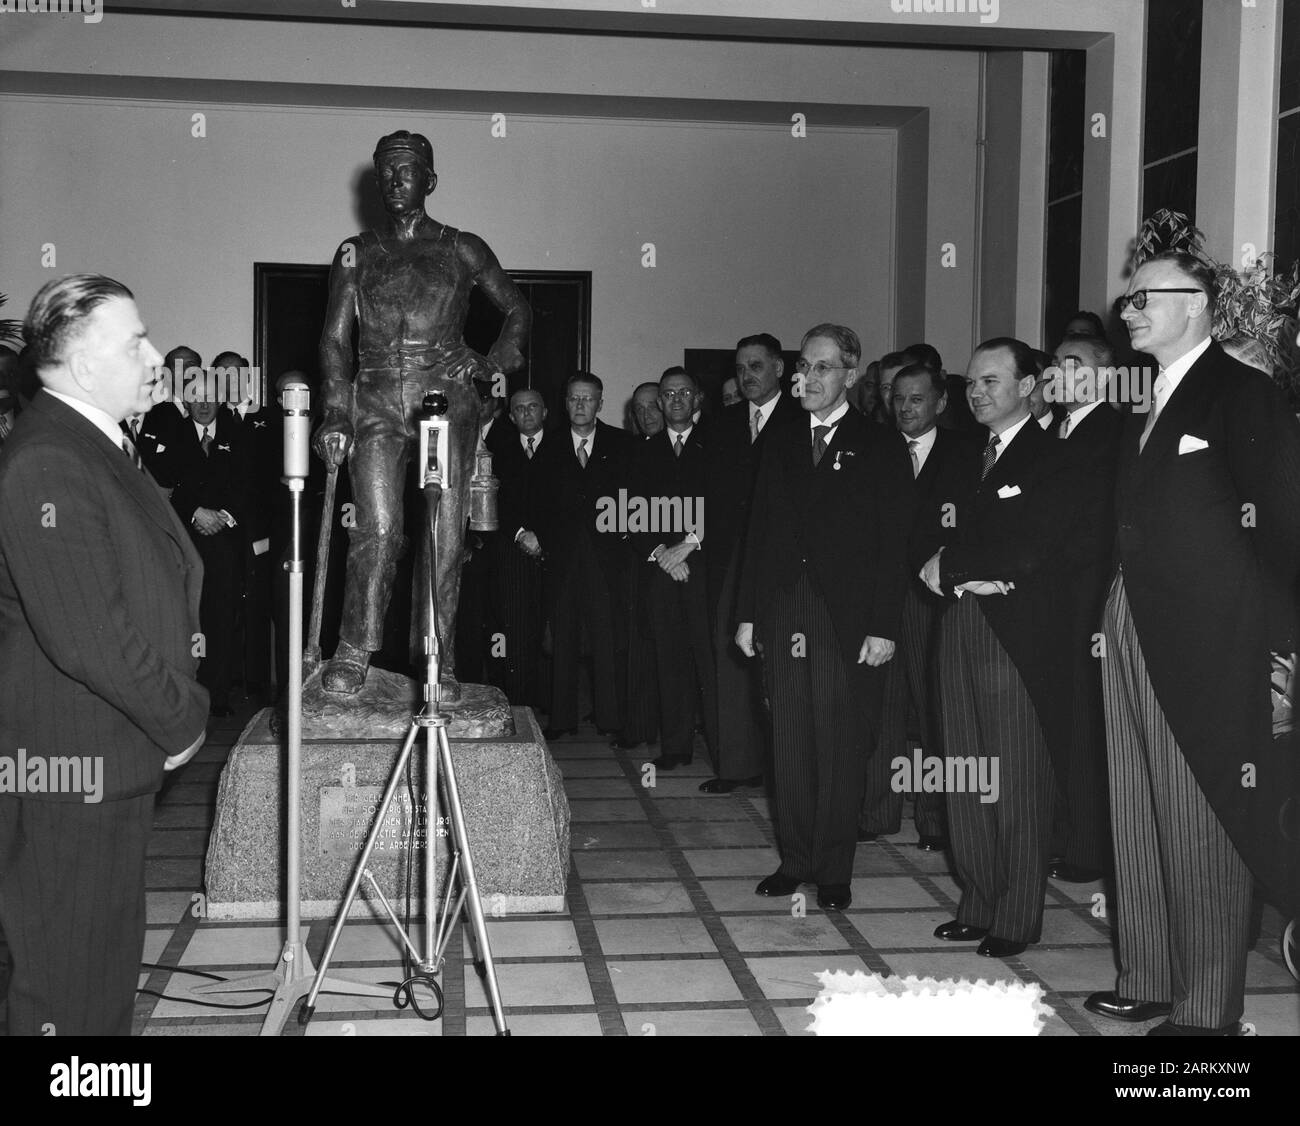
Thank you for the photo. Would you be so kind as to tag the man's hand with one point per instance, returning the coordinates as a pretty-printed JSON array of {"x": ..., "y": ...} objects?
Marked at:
[
  {"x": 173, "y": 761},
  {"x": 929, "y": 574},
  {"x": 745, "y": 639},
  {"x": 332, "y": 440},
  {"x": 208, "y": 521},
  {"x": 466, "y": 364},
  {"x": 529, "y": 544},
  {"x": 876, "y": 651}
]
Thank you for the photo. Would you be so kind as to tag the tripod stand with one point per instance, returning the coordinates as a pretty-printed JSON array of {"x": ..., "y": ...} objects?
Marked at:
[{"x": 432, "y": 720}]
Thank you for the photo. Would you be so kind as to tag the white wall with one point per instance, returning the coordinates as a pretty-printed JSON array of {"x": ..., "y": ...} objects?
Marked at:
[{"x": 746, "y": 241}]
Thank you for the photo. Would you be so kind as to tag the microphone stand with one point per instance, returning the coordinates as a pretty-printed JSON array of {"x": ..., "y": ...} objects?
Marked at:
[{"x": 294, "y": 973}]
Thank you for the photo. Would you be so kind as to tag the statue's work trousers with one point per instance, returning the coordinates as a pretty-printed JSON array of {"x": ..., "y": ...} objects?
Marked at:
[{"x": 386, "y": 439}]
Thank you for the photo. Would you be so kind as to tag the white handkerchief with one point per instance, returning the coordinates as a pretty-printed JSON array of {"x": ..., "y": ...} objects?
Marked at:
[
  {"x": 261, "y": 547},
  {"x": 1190, "y": 443},
  {"x": 160, "y": 448},
  {"x": 1008, "y": 491}
]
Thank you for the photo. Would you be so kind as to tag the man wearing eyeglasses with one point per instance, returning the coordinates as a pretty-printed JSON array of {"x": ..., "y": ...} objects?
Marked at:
[
  {"x": 820, "y": 598},
  {"x": 587, "y": 568},
  {"x": 1207, "y": 543}
]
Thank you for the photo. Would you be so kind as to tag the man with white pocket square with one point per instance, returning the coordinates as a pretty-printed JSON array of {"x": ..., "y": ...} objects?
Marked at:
[
  {"x": 1207, "y": 545},
  {"x": 1001, "y": 663}
]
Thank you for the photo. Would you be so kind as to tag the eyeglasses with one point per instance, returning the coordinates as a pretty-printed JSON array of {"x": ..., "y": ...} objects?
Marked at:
[
  {"x": 581, "y": 400},
  {"x": 819, "y": 369},
  {"x": 680, "y": 393},
  {"x": 1138, "y": 298}
]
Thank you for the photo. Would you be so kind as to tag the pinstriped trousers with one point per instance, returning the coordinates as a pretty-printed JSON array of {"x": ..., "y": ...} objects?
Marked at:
[
  {"x": 911, "y": 676},
  {"x": 1184, "y": 894},
  {"x": 999, "y": 848},
  {"x": 72, "y": 903},
  {"x": 820, "y": 737}
]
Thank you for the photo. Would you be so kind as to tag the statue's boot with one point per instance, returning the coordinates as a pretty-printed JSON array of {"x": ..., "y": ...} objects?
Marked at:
[
  {"x": 345, "y": 673},
  {"x": 450, "y": 689}
]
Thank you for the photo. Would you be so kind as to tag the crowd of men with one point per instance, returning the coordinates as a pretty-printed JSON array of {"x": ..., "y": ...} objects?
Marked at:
[{"x": 1046, "y": 616}]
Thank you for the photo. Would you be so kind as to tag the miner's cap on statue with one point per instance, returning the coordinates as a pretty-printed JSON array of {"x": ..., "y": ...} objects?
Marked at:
[{"x": 403, "y": 142}]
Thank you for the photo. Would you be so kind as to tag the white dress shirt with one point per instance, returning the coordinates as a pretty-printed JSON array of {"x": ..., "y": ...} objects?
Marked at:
[
  {"x": 764, "y": 414},
  {"x": 1007, "y": 436},
  {"x": 1180, "y": 367},
  {"x": 1045, "y": 421},
  {"x": 537, "y": 442},
  {"x": 1071, "y": 422},
  {"x": 832, "y": 420},
  {"x": 578, "y": 439},
  {"x": 924, "y": 444}
]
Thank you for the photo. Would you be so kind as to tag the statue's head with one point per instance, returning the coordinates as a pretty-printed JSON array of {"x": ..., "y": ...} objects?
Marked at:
[{"x": 404, "y": 168}]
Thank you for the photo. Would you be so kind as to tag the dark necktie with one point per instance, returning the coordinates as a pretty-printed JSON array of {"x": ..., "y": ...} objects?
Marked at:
[
  {"x": 206, "y": 442},
  {"x": 529, "y": 451},
  {"x": 819, "y": 443},
  {"x": 582, "y": 453},
  {"x": 677, "y": 446},
  {"x": 990, "y": 455},
  {"x": 128, "y": 448}
]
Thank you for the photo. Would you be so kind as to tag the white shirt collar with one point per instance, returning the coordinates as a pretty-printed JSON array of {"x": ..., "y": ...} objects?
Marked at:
[
  {"x": 1008, "y": 436},
  {"x": 924, "y": 442},
  {"x": 765, "y": 411},
  {"x": 200, "y": 428},
  {"x": 578, "y": 439},
  {"x": 832, "y": 420},
  {"x": 1174, "y": 372},
  {"x": 1077, "y": 417},
  {"x": 537, "y": 440},
  {"x": 101, "y": 419},
  {"x": 686, "y": 434},
  {"x": 1045, "y": 421}
]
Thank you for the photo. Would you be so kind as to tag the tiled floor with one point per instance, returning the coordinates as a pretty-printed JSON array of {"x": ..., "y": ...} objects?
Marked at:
[{"x": 664, "y": 934}]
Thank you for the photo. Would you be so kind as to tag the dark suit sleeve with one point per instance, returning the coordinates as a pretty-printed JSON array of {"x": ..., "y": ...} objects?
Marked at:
[
  {"x": 68, "y": 580},
  {"x": 241, "y": 475},
  {"x": 1264, "y": 459},
  {"x": 759, "y": 529},
  {"x": 894, "y": 505}
]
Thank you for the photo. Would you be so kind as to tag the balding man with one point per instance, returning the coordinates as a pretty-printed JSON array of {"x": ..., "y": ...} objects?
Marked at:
[
  {"x": 744, "y": 730},
  {"x": 820, "y": 596},
  {"x": 517, "y": 665},
  {"x": 99, "y": 600},
  {"x": 1207, "y": 540},
  {"x": 1091, "y": 429}
]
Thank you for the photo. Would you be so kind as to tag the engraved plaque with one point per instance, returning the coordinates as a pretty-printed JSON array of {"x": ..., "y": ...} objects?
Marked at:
[{"x": 347, "y": 812}]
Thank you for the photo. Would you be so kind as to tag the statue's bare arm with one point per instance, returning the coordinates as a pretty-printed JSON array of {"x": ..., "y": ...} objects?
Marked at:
[
  {"x": 335, "y": 432},
  {"x": 507, "y": 354}
]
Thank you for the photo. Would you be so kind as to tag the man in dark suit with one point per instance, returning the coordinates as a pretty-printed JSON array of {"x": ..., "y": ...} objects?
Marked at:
[
  {"x": 212, "y": 466},
  {"x": 587, "y": 574},
  {"x": 156, "y": 432},
  {"x": 1091, "y": 430},
  {"x": 820, "y": 595},
  {"x": 99, "y": 594},
  {"x": 1207, "y": 541},
  {"x": 517, "y": 666},
  {"x": 641, "y": 714},
  {"x": 668, "y": 475},
  {"x": 744, "y": 730},
  {"x": 1000, "y": 658},
  {"x": 941, "y": 463}
]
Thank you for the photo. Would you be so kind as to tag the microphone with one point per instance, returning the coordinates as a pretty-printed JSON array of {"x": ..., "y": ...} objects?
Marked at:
[
  {"x": 435, "y": 437},
  {"x": 295, "y": 397}
]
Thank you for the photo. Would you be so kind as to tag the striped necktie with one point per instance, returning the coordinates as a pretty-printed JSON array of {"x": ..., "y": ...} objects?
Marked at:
[
  {"x": 990, "y": 456},
  {"x": 530, "y": 451},
  {"x": 582, "y": 453},
  {"x": 677, "y": 446}
]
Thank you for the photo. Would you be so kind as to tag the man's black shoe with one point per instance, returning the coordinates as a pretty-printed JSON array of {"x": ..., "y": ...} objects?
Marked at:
[
  {"x": 671, "y": 762},
  {"x": 1169, "y": 1028},
  {"x": 933, "y": 844},
  {"x": 1111, "y": 1004},
  {"x": 993, "y": 947},
  {"x": 1074, "y": 873},
  {"x": 552, "y": 733},
  {"x": 833, "y": 897},
  {"x": 726, "y": 785},
  {"x": 959, "y": 932},
  {"x": 777, "y": 884}
]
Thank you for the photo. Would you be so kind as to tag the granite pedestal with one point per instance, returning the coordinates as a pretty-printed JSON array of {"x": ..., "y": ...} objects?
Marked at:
[{"x": 512, "y": 793}]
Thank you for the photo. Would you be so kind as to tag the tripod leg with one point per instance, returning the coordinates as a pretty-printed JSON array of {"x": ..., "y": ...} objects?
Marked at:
[
  {"x": 475, "y": 904},
  {"x": 309, "y": 1003}
]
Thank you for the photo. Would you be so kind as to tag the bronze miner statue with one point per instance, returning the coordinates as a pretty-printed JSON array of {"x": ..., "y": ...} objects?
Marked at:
[{"x": 406, "y": 288}]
